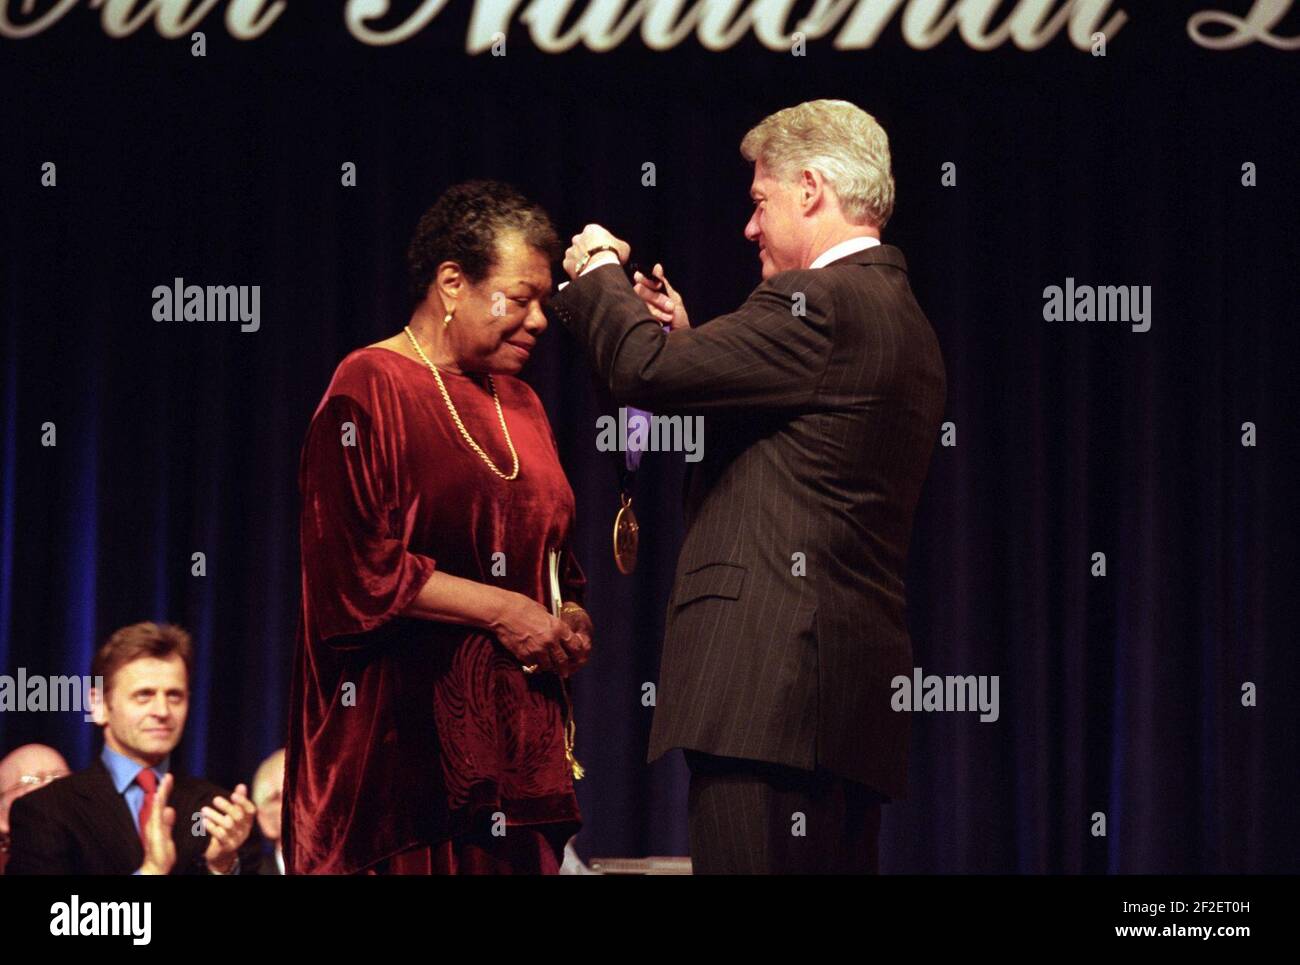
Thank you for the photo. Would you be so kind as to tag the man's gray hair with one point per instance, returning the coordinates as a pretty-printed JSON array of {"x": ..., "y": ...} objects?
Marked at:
[{"x": 839, "y": 139}]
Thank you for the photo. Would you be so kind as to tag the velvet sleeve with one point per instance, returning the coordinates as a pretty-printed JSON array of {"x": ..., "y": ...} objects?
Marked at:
[{"x": 358, "y": 573}]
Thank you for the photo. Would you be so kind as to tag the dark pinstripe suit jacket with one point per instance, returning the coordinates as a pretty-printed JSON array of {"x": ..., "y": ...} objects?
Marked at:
[
  {"x": 80, "y": 825},
  {"x": 786, "y": 622}
]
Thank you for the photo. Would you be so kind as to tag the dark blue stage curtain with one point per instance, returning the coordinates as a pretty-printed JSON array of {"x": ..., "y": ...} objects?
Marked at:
[{"x": 1119, "y": 694}]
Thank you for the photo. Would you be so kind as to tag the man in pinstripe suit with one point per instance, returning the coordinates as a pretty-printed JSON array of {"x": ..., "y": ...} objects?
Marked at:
[{"x": 823, "y": 394}]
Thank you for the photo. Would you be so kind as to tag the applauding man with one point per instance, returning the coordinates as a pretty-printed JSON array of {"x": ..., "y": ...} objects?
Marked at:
[{"x": 127, "y": 813}]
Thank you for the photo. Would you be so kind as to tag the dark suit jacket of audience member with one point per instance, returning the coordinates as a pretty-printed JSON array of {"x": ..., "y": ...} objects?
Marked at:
[
  {"x": 267, "y": 864},
  {"x": 80, "y": 825}
]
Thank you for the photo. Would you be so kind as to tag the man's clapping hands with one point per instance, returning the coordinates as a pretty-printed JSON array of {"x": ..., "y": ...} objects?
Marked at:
[
  {"x": 227, "y": 822},
  {"x": 159, "y": 848}
]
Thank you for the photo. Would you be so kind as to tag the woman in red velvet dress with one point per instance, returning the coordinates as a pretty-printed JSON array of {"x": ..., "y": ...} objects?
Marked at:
[{"x": 428, "y": 714}]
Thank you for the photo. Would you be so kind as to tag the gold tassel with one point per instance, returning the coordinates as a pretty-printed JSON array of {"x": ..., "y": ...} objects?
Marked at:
[
  {"x": 578, "y": 771},
  {"x": 571, "y": 735}
]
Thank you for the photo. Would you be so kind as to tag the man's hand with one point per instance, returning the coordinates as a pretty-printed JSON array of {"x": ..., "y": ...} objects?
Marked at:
[
  {"x": 594, "y": 236},
  {"x": 228, "y": 824},
  {"x": 159, "y": 848},
  {"x": 664, "y": 303}
]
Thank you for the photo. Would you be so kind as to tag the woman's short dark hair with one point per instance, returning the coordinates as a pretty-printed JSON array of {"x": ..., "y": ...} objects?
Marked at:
[{"x": 464, "y": 226}]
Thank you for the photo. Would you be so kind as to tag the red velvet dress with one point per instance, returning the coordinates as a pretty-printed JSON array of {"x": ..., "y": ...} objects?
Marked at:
[{"x": 410, "y": 740}]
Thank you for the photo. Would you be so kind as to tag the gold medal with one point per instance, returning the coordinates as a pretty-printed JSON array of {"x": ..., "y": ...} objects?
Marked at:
[{"x": 625, "y": 536}]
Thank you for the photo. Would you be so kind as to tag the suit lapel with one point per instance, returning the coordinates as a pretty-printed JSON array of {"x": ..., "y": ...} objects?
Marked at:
[
  {"x": 115, "y": 829},
  {"x": 111, "y": 818}
]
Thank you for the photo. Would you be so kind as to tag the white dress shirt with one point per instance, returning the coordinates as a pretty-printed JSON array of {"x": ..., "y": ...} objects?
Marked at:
[{"x": 844, "y": 248}]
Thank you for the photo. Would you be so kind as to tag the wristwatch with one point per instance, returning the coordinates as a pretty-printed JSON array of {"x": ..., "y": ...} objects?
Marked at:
[{"x": 587, "y": 257}]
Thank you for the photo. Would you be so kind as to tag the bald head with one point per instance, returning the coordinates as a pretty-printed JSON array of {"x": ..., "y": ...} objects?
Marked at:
[
  {"x": 268, "y": 786},
  {"x": 23, "y": 771}
]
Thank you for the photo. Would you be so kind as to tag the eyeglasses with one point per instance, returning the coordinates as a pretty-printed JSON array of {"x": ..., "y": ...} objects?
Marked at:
[{"x": 34, "y": 780}]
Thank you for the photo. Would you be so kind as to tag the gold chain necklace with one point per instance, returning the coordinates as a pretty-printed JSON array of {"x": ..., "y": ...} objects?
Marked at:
[{"x": 455, "y": 416}]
